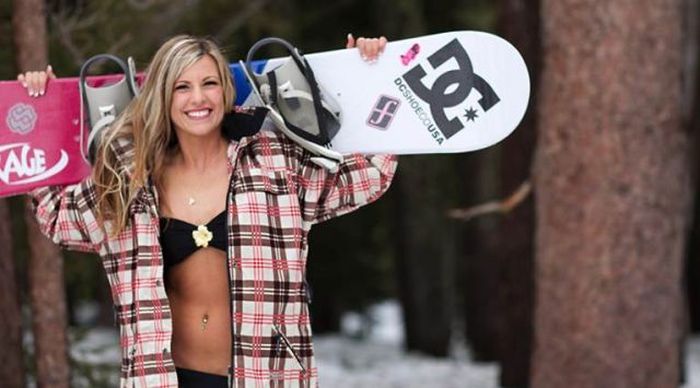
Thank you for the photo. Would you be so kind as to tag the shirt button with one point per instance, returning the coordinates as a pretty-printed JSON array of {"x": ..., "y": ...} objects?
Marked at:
[{"x": 159, "y": 282}]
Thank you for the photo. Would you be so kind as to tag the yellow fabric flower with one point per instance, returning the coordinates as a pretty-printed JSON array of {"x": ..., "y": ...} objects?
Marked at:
[{"x": 202, "y": 236}]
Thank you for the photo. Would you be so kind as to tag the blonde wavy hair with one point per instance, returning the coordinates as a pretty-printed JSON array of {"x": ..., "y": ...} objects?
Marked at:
[{"x": 147, "y": 126}]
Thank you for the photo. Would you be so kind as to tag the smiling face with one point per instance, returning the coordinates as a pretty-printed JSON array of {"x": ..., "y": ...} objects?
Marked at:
[{"x": 197, "y": 107}]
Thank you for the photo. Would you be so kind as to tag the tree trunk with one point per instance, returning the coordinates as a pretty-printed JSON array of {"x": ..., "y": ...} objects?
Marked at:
[
  {"x": 29, "y": 31},
  {"x": 613, "y": 195},
  {"x": 479, "y": 278},
  {"x": 424, "y": 256},
  {"x": 519, "y": 23},
  {"x": 48, "y": 301},
  {"x": 693, "y": 98},
  {"x": 45, "y": 266},
  {"x": 11, "y": 356}
]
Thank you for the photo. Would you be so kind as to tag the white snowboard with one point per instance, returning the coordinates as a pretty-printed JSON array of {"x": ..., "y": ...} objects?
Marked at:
[{"x": 450, "y": 92}]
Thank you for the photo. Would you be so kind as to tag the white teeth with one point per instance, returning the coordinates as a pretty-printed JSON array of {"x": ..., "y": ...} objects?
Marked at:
[{"x": 198, "y": 113}]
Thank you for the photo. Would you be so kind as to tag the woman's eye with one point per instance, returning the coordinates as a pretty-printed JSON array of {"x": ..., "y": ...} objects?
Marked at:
[
  {"x": 211, "y": 83},
  {"x": 181, "y": 87}
]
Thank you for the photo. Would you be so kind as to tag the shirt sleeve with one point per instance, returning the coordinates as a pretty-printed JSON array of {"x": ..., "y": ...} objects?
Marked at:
[
  {"x": 359, "y": 180},
  {"x": 66, "y": 215}
]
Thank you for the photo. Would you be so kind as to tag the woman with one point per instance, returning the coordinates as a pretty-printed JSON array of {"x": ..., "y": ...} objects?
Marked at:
[{"x": 201, "y": 222}]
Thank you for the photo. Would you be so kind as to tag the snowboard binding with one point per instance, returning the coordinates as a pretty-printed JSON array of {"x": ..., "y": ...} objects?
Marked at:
[
  {"x": 103, "y": 103},
  {"x": 301, "y": 108}
]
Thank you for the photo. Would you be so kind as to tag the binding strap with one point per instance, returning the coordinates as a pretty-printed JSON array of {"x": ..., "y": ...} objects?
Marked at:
[{"x": 324, "y": 135}]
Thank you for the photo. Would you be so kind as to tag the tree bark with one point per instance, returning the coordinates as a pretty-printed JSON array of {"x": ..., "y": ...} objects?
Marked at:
[
  {"x": 48, "y": 302},
  {"x": 613, "y": 195},
  {"x": 692, "y": 120},
  {"x": 518, "y": 22},
  {"x": 693, "y": 97},
  {"x": 45, "y": 266},
  {"x": 11, "y": 356},
  {"x": 29, "y": 32}
]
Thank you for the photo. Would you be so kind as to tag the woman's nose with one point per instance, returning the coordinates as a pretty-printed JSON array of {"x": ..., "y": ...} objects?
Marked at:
[{"x": 197, "y": 95}]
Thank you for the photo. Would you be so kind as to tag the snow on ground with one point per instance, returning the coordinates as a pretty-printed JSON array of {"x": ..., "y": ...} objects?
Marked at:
[
  {"x": 369, "y": 353},
  {"x": 378, "y": 360},
  {"x": 347, "y": 363}
]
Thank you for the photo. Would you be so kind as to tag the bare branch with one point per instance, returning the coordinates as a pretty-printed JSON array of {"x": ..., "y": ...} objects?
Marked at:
[
  {"x": 241, "y": 18},
  {"x": 173, "y": 12},
  {"x": 65, "y": 25},
  {"x": 123, "y": 41},
  {"x": 85, "y": 22},
  {"x": 503, "y": 207},
  {"x": 141, "y": 4}
]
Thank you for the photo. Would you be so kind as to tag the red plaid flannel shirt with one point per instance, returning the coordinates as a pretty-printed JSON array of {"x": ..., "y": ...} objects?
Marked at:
[{"x": 276, "y": 195}]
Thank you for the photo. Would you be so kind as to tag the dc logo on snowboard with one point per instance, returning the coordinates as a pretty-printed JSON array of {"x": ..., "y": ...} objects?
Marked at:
[
  {"x": 411, "y": 85},
  {"x": 21, "y": 118}
]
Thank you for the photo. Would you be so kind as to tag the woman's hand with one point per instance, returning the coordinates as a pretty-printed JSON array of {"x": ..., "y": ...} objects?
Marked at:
[
  {"x": 370, "y": 48},
  {"x": 35, "y": 81}
]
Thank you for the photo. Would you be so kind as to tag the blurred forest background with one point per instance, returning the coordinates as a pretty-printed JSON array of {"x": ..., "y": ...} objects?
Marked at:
[{"x": 609, "y": 247}]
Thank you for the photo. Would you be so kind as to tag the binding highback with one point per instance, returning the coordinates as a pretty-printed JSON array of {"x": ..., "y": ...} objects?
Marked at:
[
  {"x": 298, "y": 105},
  {"x": 104, "y": 103}
]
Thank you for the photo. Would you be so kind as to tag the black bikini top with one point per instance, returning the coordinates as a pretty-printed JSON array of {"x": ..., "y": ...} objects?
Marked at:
[{"x": 178, "y": 242}]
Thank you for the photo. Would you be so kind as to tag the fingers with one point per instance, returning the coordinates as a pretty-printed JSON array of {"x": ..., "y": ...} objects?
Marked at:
[
  {"x": 35, "y": 81},
  {"x": 49, "y": 71},
  {"x": 371, "y": 48},
  {"x": 27, "y": 80},
  {"x": 42, "y": 83},
  {"x": 351, "y": 41},
  {"x": 382, "y": 43},
  {"x": 38, "y": 82}
]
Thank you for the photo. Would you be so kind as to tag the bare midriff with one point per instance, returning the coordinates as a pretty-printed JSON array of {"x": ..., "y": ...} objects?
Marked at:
[{"x": 198, "y": 290}]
